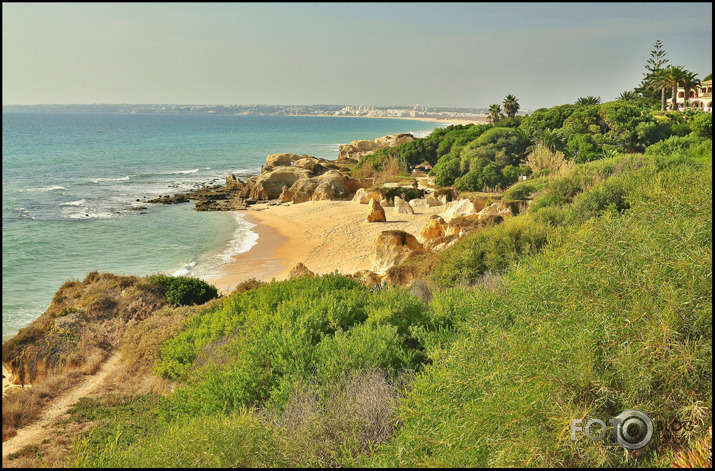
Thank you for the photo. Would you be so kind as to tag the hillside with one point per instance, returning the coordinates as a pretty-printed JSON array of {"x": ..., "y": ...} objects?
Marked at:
[{"x": 593, "y": 300}]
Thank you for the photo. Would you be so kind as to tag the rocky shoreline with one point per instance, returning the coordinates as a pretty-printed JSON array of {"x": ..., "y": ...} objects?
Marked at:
[{"x": 289, "y": 178}]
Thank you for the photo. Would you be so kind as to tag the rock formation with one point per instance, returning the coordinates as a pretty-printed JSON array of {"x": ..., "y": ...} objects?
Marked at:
[
  {"x": 433, "y": 229},
  {"x": 356, "y": 150},
  {"x": 375, "y": 212},
  {"x": 300, "y": 270},
  {"x": 392, "y": 248},
  {"x": 402, "y": 207}
]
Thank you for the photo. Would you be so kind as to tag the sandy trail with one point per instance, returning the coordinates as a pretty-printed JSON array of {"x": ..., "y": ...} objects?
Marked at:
[{"x": 41, "y": 428}]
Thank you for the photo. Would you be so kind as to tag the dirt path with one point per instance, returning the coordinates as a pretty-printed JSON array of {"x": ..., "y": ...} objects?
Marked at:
[{"x": 39, "y": 429}]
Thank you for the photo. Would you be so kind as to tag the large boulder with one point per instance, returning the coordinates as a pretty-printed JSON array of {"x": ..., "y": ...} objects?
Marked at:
[
  {"x": 394, "y": 140},
  {"x": 375, "y": 213},
  {"x": 460, "y": 207},
  {"x": 402, "y": 206},
  {"x": 280, "y": 160},
  {"x": 418, "y": 204},
  {"x": 269, "y": 185},
  {"x": 433, "y": 229},
  {"x": 356, "y": 150},
  {"x": 324, "y": 191},
  {"x": 364, "y": 196},
  {"x": 392, "y": 248}
]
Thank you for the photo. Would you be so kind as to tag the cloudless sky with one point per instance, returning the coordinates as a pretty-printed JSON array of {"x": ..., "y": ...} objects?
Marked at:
[{"x": 436, "y": 54}]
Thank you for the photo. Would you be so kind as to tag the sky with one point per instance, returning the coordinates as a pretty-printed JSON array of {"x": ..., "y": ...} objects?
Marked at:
[{"x": 466, "y": 55}]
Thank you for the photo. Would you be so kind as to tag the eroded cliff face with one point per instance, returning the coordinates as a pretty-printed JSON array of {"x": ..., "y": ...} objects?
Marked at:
[{"x": 83, "y": 324}]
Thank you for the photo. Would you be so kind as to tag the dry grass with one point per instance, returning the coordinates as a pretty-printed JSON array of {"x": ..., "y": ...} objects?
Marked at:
[
  {"x": 555, "y": 162},
  {"x": 330, "y": 425}
]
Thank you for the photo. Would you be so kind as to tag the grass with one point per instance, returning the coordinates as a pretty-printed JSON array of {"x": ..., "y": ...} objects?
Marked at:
[
  {"x": 595, "y": 301},
  {"x": 615, "y": 316}
]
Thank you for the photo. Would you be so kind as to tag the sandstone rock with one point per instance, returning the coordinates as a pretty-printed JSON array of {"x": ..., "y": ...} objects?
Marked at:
[
  {"x": 402, "y": 207},
  {"x": 442, "y": 243},
  {"x": 435, "y": 228},
  {"x": 359, "y": 195},
  {"x": 394, "y": 140},
  {"x": 500, "y": 208},
  {"x": 356, "y": 150},
  {"x": 269, "y": 185},
  {"x": 354, "y": 184},
  {"x": 324, "y": 191},
  {"x": 300, "y": 197},
  {"x": 375, "y": 212},
  {"x": 300, "y": 270},
  {"x": 285, "y": 195},
  {"x": 392, "y": 248},
  {"x": 364, "y": 196},
  {"x": 305, "y": 185},
  {"x": 234, "y": 184},
  {"x": 432, "y": 200},
  {"x": 418, "y": 204},
  {"x": 385, "y": 203},
  {"x": 460, "y": 207},
  {"x": 368, "y": 278},
  {"x": 279, "y": 160}
]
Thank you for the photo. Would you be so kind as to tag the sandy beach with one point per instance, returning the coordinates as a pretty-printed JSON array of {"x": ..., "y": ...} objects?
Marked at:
[{"x": 323, "y": 235}]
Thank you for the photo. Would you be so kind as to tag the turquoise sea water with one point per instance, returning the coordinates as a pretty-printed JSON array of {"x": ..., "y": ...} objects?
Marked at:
[{"x": 71, "y": 181}]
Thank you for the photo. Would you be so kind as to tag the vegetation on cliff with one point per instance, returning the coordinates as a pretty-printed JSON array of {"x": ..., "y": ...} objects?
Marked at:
[{"x": 596, "y": 300}]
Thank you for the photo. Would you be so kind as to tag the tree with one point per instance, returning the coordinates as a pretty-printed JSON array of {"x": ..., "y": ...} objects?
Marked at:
[
  {"x": 675, "y": 75},
  {"x": 659, "y": 81},
  {"x": 654, "y": 65},
  {"x": 495, "y": 113},
  {"x": 690, "y": 81},
  {"x": 628, "y": 95},
  {"x": 589, "y": 100},
  {"x": 511, "y": 106}
]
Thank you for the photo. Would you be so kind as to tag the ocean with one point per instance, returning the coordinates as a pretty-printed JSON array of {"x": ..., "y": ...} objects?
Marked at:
[{"x": 75, "y": 187}]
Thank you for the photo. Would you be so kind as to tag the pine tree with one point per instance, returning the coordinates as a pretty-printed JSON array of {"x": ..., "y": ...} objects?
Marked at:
[{"x": 654, "y": 65}]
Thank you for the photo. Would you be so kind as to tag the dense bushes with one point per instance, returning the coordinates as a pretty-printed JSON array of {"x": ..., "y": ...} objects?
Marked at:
[
  {"x": 182, "y": 290},
  {"x": 615, "y": 316},
  {"x": 483, "y": 157}
]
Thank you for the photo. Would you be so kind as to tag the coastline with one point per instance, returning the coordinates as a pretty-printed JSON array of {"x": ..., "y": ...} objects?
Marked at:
[
  {"x": 326, "y": 236},
  {"x": 448, "y": 121}
]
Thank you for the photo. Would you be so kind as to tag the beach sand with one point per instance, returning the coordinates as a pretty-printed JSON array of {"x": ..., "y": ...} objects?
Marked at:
[{"x": 324, "y": 235}]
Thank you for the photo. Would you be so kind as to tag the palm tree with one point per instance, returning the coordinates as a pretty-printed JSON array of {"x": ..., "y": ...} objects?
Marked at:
[
  {"x": 675, "y": 74},
  {"x": 589, "y": 100},
  {"x": 690, "y": 81},
  {"x": 495, "y": 113},
  {"x": 511, "y": 106},
  {"x": 550, "y": 139},
  {"x": 628, "y": 95},
  {"x": 659, "y": 81}
]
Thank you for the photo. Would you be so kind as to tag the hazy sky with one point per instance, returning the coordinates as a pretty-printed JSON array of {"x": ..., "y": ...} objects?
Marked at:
[{"x": 460, "y": 55}]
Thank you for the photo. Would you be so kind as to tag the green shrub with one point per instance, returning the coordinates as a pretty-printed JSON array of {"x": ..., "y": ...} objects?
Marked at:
[
  {"x": 493, "y": 248},
  {"x": 184, "y": 291}
]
